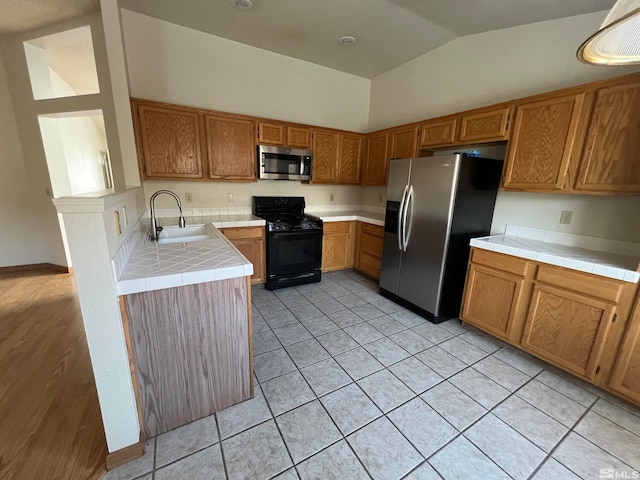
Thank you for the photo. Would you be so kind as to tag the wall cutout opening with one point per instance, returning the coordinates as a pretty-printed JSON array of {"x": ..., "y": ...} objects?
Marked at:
[
  {"x": 62, "y": 64},
  {"x": 75, "y": 145}
]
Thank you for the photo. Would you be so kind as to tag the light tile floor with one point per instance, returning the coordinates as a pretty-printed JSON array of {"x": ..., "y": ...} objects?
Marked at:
[{"x": 350, "y": 385}]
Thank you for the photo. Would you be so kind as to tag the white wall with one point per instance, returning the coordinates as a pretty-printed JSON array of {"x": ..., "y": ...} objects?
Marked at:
[
  {"x": 175, "y": 64},
  {"x": 25, "y": 210},
  {"x": 487, "y": 68}
]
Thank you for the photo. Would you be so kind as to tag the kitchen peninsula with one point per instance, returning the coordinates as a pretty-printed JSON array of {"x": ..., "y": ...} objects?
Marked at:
[{"x": 187, "y": 312}]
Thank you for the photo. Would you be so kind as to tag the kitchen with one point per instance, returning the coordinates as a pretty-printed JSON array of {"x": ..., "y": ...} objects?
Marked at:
[{"x": 143, "y": 35}]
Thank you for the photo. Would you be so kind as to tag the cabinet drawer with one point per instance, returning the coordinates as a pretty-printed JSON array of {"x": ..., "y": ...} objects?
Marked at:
[
  {"x": 336, "y": 227},
  {"x": 500, "y": 261},
  {"x": 374, "y": 230},
  {"x": 235, "y": 233},
  {"x": 603, "y": 288}
]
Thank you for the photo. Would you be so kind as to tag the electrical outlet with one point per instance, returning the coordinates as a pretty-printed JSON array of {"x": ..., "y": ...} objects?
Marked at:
[
  {"x": 565, "y": 217},
  {"x": 331, "y": 197},
  {"x": 379, "y": 198},
  {"x": 188, "y": 198},
  {"x": 230, "y": 197}
]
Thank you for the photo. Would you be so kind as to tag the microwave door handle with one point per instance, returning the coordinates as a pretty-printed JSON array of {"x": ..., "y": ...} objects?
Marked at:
[{"x": 400, "y": 215}]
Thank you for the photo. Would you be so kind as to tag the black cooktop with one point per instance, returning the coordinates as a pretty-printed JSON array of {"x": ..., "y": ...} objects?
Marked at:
[{"x": 285, "y": 214}]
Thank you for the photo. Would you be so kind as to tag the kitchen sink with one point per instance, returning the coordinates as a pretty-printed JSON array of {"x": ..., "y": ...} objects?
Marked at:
[{"x": 190, "y": 233}]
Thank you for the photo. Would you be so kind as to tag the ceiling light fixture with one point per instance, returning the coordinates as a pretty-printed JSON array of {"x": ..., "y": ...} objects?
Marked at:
[
  {"x": 242, "y": 4},
  {"x": 618, "y": 40},
  {"x": 347, "y": 40}
]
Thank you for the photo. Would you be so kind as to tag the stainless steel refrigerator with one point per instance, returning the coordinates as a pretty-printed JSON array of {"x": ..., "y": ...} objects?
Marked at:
[{"x": 435, "y": 205}]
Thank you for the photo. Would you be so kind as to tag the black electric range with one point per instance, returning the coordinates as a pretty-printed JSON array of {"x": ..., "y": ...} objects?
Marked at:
[{"x": 294, "y": 241}]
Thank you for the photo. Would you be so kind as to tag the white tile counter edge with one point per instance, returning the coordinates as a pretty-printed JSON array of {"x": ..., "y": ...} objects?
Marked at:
[{"x": 588, "y": 266}]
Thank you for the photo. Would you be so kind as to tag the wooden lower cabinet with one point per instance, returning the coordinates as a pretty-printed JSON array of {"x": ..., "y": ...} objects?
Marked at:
[
  {"x": 571, "y": 319},
  {"x": 368, "y": 249},
  {"x": 625, "y": 379},
  {"x": 568, "y": 329},
  {"x": 250, "y": 242},
  {"x": 492, "y": 300},
  {"x": 337, "y": 246}
]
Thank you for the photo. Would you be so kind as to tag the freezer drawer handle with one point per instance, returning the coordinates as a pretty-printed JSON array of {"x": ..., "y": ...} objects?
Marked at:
[
  {"x": 407, "y": 230},
  {"x": 400, "y": 219}
]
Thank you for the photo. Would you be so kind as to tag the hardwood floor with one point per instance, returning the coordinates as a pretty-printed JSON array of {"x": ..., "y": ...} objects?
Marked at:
[{"x": 50, "y": 423}]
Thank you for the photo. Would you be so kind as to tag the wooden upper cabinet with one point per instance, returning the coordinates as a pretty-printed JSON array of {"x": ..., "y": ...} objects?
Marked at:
[
  {"x": 568, "y": 329},
  {"x": 231, "y": 148},
  {"x": 376, "y": 166},
  {"x": 542, "y": 142},
  {"x": 299, "y": 137},
  {"x": 275, "y": 133},
  {"x": 403, "y": 142},
  {"x": 437, "y": 134},
  {"x": 611, "y": 155},
  {"x": 325, "y": 156},
  {"x": 169, "y": 140},
  {"x": 488, "y": 126},
  {"x": 349, "y": 158},
  {"x": 271, "y": 133}
]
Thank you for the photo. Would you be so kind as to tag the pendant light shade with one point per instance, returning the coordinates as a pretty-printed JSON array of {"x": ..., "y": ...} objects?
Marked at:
[{"x": 618, "y": 40}]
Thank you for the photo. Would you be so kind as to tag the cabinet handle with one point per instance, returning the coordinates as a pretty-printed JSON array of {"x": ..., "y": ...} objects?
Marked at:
[
  {"x": 598, "y": 370},
  {"x": 614, "y": 318}
]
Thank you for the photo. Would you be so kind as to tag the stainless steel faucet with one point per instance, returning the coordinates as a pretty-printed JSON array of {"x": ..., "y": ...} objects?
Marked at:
[{"x": 155, "y": 229}]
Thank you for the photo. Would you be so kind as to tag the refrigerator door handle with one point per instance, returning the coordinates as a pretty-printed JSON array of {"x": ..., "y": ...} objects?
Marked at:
[
  {"x": 407, "y": 229},
  {"x": 400, "y": 218}
]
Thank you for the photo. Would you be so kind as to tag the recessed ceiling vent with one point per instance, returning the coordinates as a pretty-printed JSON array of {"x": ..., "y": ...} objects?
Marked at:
[
  {"x": 242, "y": 4},
  {"x": 347, "y": 40}
]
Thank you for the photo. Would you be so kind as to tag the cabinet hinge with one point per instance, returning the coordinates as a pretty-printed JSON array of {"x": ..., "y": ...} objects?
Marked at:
[
  {"x": 614, "y": 318},
  {"x": 598, "y": 370}
]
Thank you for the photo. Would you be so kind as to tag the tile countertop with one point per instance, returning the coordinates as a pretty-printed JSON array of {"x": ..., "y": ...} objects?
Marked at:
[
  {"x": 605, "y": 263},
  {"x": 152, "y": 266},
  {"x": 349, "y": 215}
]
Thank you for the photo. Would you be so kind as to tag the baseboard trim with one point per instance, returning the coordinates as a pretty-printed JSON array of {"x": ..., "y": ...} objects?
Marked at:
[
  {"x": 35, "y": 266},
  {"x": 126, "y": 454}
]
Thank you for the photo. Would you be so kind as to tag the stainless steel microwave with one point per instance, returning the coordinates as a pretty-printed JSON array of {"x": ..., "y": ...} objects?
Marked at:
[{"x": 281, "y": 163}]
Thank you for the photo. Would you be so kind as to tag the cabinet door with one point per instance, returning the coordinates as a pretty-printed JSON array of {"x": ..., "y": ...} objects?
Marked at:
[
  {"x": 434, "y": 134},
  {"x": 170, "y": 143},
  {"x": 250, "y": 241},
  {"x": 350, "y": 154},
  {"x": 298, "y": 137},
  {"x": 626, "y": 373},
  {"x": 486, "y": 126},
  {"x": 337, "y": 246},
  {"x": 611, "y": 154},
  {"x": 376, "y": 166},
  {"x": 325, "y": 156},
  {"x": 542, "y": 143},
  {"x": 271, "y": 133},
  {"x": 231, "y": 148},
  {"x": 368, "y": 249},
  {"x": 567, "y": 329},
  {"x": 491, "y": 300},
  {"x": 403, "y": 142}
]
